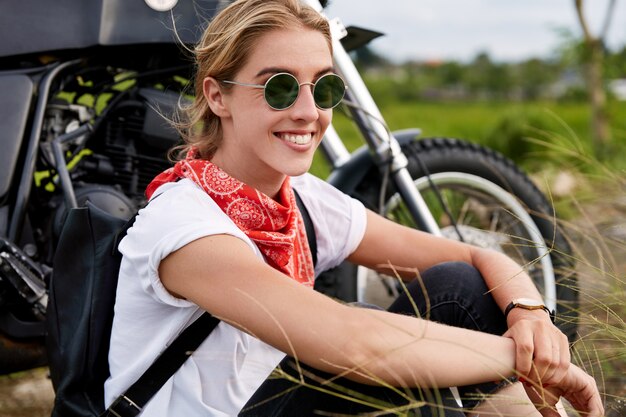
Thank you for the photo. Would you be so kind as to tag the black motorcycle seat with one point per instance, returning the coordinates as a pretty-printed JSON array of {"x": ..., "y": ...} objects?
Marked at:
[
  {"x": 96, "y": 22},
  {"x": 17, "y": 91}
]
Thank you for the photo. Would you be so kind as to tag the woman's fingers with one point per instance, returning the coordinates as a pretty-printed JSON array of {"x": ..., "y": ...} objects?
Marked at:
[
  {"x": 581, "y": 391},
  {"x": 545, "y": 355},
  {"x": 543, "y": 363},
  {"x": 554, "y": 365},
  {"x": 542, "y": 351},
  {"x": 524, "y": 348}
]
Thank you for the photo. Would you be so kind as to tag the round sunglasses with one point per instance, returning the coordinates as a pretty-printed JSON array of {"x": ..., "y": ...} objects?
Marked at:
[{"x": 281, "y": 90}]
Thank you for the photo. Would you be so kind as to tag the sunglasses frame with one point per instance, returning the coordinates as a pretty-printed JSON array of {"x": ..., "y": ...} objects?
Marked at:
[{"x": 299, "y": 84}]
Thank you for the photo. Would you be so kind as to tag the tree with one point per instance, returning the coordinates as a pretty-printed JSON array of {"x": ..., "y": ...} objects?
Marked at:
[
  {"x": 594, "y": 51},
  {"x": 487, "y": 78},
  {"x": 534, "y": 76}
]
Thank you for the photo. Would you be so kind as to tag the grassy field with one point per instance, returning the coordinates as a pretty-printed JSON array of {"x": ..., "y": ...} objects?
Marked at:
[{"x": 508, "y": 127}]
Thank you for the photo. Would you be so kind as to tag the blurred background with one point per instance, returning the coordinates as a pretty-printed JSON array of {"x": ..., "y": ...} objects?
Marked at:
[
  {"x": 543, "y": 82},
  {"x": 489, "y": 70},
  {"x": 457, "y": 30}
]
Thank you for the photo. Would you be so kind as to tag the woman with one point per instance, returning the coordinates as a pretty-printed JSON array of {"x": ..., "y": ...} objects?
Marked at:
[{"x": 225, "y": 236}]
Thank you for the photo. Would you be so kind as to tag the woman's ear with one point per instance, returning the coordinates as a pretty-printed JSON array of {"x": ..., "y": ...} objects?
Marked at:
[{"x": 214, "y": 96}]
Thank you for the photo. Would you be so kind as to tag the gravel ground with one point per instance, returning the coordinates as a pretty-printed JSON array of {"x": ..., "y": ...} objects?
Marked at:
[{"x": 26, "y": 394}]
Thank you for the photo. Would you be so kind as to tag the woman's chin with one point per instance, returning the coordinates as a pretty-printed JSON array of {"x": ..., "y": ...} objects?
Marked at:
[{"x": 297, "y": 169}]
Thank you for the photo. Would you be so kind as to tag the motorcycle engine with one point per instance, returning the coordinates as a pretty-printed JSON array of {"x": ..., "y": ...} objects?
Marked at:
[
  {"x": 128, "y": 149},
  {"x": 131, "y": 145}
]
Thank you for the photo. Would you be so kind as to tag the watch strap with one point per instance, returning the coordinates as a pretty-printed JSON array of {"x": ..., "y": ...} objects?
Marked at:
[{"x": 513, "y": 305}]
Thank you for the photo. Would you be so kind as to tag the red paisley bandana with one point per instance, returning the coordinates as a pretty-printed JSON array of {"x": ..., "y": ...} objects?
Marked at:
[{"x": 276, "y": 228}]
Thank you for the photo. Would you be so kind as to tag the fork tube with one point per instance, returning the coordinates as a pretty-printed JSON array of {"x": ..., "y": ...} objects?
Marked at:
[
  {"x": 376, "y": 134},
  {"x": 415, "y": 202},
  {"x": 380, "y": 140},
  {"x": 374, "y": 130},
  {"x": 333, "y": 148}
]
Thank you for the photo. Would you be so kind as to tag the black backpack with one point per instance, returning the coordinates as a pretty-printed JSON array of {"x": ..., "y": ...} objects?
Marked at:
[
  {"x": 80, "y": 316},
  {"x": 80, "y": 309}
]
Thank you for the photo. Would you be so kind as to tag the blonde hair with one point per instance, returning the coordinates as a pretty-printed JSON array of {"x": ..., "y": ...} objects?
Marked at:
[{"x": 223, "y": 50}]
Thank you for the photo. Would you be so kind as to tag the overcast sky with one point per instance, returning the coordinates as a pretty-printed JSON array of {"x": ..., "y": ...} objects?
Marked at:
[{"x": 459, "y": 29}]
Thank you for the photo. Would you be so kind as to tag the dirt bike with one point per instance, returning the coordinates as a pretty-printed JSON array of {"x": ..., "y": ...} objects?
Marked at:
[
  {"x": 80, "y": 117},
  {"x": 444, "y": 186}
]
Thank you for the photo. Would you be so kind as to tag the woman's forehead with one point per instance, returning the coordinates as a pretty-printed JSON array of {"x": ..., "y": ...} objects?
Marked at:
[{"x": 292, "y": 50}]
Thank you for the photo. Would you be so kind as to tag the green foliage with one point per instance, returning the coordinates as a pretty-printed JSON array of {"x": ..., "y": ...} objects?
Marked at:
[
  {"x": 509, "y": 134},
  {"x": 403, "y": 86},
  {"x": 616, "y": 65},
  {"x": 521, "y": 131},
  {"x": 533, "y": 77},
  {"x": 485, "y": 78}
]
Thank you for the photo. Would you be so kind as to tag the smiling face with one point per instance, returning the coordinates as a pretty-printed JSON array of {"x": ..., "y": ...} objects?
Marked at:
[{"x": 260, "y": 145}]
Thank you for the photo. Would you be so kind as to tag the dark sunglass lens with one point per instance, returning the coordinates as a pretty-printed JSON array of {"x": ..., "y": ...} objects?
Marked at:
[
  {"x": 281, "y": 91},
  {"x": 329, "y": 91}
]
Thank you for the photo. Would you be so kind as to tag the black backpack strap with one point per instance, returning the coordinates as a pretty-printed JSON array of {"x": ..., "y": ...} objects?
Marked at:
[
  {"x": 131, "y": 402},
  {"x": 137, "y": 396},
  {"x": 308, "y": 225}
]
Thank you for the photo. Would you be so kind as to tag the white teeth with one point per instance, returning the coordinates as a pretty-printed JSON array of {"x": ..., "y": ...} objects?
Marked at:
[{"x": 297, "y": 139}]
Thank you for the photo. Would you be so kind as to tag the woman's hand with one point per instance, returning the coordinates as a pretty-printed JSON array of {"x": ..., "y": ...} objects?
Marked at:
[
  {"x": 541, "y": 349},
  {"x": 577, "y": 387}
]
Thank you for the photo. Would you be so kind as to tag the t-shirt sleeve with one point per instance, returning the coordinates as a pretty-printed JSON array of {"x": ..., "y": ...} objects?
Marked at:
[
  {"x": 338, "y": 219},
  {"x": 179, "y": 215}
]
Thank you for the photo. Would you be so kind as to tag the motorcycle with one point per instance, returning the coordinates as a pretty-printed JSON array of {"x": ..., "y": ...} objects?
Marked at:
[{"x": 82, "y": 120}]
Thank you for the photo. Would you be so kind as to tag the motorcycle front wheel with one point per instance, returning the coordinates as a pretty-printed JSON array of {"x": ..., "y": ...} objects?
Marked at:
[{"x": 480, "y": 197}]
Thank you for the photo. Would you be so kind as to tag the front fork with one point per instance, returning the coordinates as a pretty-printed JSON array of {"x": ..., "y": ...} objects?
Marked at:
[{"x": 382, "y": 144}]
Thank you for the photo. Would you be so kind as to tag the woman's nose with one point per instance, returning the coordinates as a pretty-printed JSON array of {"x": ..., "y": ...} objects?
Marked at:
[{"x": 304, "y": 107}]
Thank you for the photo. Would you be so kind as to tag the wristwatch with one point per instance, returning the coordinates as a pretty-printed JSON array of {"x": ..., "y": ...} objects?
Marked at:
[{"x": 528, "y": 304}]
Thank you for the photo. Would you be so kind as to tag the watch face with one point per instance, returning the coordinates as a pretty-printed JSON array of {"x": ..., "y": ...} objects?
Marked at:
[
  {"x": 161, "y": 5},
  {"x": 528, "y": 302}
]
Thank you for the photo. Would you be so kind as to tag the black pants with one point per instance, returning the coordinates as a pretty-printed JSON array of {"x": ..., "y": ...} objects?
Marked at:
[{"x": 455, "y": 295}]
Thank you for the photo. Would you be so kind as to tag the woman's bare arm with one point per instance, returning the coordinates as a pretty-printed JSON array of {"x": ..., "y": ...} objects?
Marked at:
[
  {"x": 538, "y": 341},
  {"x": 223, "y": 276},
  {"x": 387, "y": 243}
]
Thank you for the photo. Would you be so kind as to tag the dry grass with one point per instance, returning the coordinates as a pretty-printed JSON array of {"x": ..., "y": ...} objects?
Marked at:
[
  {"x": 596, "y": 228},
  {"x": 599, "y": 237}
]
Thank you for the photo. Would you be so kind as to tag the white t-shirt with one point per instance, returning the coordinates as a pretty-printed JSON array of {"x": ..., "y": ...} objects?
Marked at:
[{"x": 229, "y": 366}]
